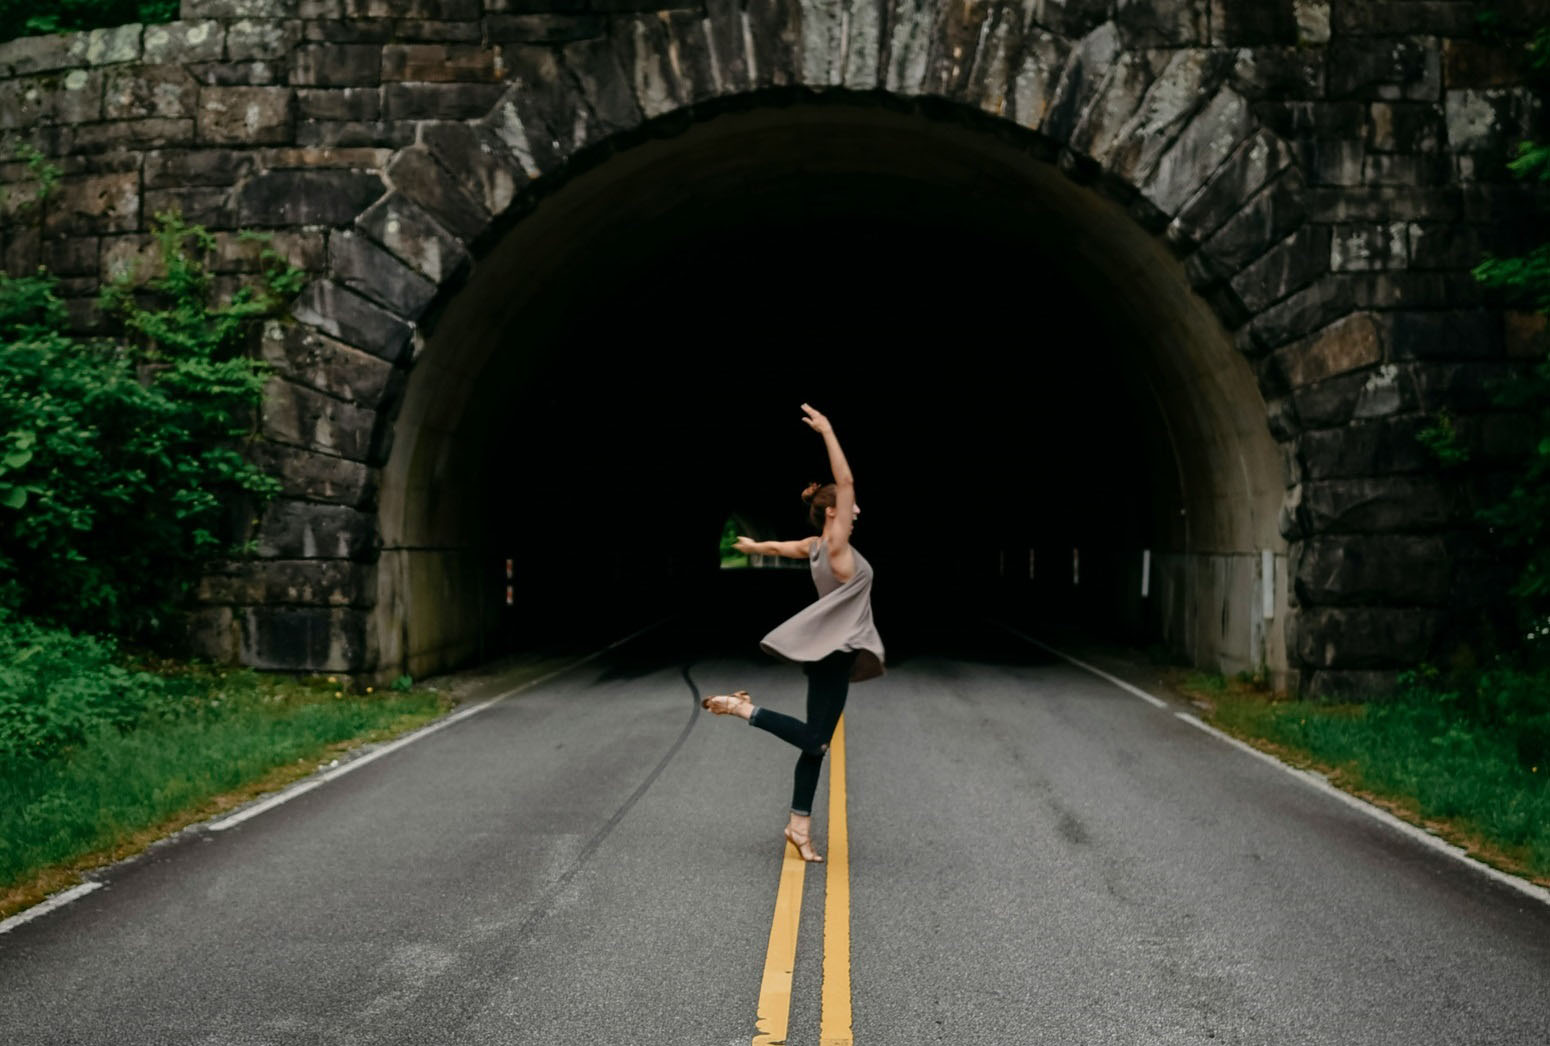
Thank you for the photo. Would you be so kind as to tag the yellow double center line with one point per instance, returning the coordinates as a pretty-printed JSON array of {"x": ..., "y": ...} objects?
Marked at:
[{"x": 780, "y": 957}]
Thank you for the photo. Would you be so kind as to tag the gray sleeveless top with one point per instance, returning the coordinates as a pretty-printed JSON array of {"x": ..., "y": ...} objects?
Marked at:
[{"x": 840, "y": 619}]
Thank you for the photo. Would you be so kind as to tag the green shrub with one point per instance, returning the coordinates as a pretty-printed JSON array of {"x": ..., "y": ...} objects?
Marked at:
[
  {"x": 121, "y": 464},
  {"x": 58, "y": 688}
]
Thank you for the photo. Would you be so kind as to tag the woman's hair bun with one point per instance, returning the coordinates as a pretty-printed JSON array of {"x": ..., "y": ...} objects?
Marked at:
[{"x": 811, "y": 490}]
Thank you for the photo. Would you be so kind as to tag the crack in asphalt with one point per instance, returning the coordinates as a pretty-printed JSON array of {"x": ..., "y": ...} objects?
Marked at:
[{"x": 545, "y": 906}]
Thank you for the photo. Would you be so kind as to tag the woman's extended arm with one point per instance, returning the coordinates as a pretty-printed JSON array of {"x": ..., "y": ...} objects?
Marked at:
[
  {"x": 797, "y": 549},
  {"x": 844, "y": 493}
]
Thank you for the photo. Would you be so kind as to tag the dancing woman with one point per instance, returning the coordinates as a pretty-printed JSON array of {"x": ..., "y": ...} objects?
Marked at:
[{"x": 833, "y": 638}]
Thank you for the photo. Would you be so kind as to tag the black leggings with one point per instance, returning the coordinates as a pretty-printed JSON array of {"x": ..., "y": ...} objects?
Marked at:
[{"x": 828, "y": 681}]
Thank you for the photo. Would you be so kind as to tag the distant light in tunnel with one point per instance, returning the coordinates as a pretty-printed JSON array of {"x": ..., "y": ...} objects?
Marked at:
[
  {"x": 1030, "y": 564},
  {"x": 1073, "y": 565},
  {"x": 1146, "y": 570}
]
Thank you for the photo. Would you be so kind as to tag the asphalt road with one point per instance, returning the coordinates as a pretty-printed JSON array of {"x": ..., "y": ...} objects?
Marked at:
[{"x": 1036, "y": 856}]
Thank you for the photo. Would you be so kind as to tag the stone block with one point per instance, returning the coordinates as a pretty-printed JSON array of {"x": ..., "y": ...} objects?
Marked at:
[
  {"x": 1269, "y": 217},
  {"x": 426, "y": 30},
  {"x": 94, "y": 204},
  {"x": 542, "y": 28},
  {"x": 1087, "y": 64},
  {"x": 292, "y": 413},
  {"x": 1247, "y": 23},
  {"x": 313, "y": 639},
  {"x": 1251, "y": 165},
  {"x": 234, "y": 9},
  {"x": 1290, "y": 265},
  {"x": 1320, "y": 303},
  {"x": 440, "y": 62},
  {"x": 1102, "y": 123},
  {"x": 417, "y": 176},
  {"x": 1336, "y": 161},
  {"x": 1032, "y": 89},
  {"x": 133, "y": 257},
  {"x": 1377, "y": 504},
  {"x": 1459, "y": 334},
  {"x": 178, "y": 42},
  {"x": 1524, "y": 334},
  {"x": 38, "y": 54},
  {"x": 135, "y": 91},
  {"x": 1387, "y": 68},
  {"x": 1348, "y": 344},
  {"x": 1350, "y": 684},
  {"x": 250, "y": 40},
  {"x": 336, "y": 65},
  {"x": 415, "y": 237},
  {"x": 724, "y": 25},
  {"x": 251, "y": 115},
  {"x": 289, "y": 582},
  {"x": 345, "y": 315},
  {"x": 1208, "y": 140},
  {"x": 309, "y": 357},
  {"x": 213, "y": 206},
  {"x": 107, "y": 46},
  {"x": 1371, "y": 569},
  {"x": 537, "y": 119},
  {"x": 1460, "y": 386},
  {"x": 1391, "y": 18},
  {"x": 1280, "y": 73},
  {"x": 605, "y": 87},
  {"x": 1380, "y": 203},
  {"x": 306, "y": 474},
  {"x": 1404, "y": 127},
  {"x": 1482, "y": 63},
  {"x": 166, "y": 168},
  {"x": 330, "y": 134},
  {"x": 107, "y": 138},
  {"x": 1376, "y": 447},
  {"x": 1164, "y": 23},
  {"x": 352, "y": 31},
  {"x": 433, "y": 101},
  {"x": 306, "y": 197},
  {"x": 307, "y": 530},
  {"x": 1312, "y": 20},
  {"x": 71, "y": 256},
  {"x": 1443, "y": 245},
  {"x": 695, "y": 68},
  {"x": 243, "y": 252},
  {"x": 371, "y": 271},
  {"x": 773, "y": 34},
  {"x": 1366, "y": 246},
  {"x": 1488, "y": 119},
  {"x": 268, "y": 73},
  {"x": 346, "y": 103},
  {"x": 1364, "y": 637},
  {"x": 482, "y": 165}
]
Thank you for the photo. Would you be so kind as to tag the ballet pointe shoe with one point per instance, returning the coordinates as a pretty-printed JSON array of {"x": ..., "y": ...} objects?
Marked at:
[
  {"x": 804, "y": 847},
  {"x": 726, "y": 704}
]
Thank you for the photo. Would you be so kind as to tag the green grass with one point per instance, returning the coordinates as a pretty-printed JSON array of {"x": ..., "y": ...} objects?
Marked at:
[
  {"x": 1486, "y": 787},
  {"x": 240, "y": 732}
]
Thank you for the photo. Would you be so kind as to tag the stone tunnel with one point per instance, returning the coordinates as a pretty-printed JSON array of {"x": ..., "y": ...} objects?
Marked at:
[{"x": 1127, "y": 314}]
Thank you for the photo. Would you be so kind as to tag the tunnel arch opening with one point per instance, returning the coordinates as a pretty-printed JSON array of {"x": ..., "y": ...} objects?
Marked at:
[{"x": 1014, "y": 357}]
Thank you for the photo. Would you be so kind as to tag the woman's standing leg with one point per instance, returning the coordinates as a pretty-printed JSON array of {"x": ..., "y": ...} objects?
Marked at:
[{"x": 828, "y": 684}]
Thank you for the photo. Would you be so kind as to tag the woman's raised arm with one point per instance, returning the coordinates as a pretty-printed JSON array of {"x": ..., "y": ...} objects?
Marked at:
[{"x": 844, "y": 482}]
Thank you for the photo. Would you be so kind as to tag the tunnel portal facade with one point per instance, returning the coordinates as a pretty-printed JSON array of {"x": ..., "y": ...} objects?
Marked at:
[{"x": 1283, "y": 199}]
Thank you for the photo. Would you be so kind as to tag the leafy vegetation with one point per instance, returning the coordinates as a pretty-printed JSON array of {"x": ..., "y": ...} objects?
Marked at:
[
  {"x": 36, "y": 17},
  {"x": 121, "y": 458}
]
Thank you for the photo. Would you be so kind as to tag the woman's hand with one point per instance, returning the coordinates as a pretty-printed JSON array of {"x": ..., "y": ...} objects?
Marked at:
[
  {"x": 816, "y": 421},
  {"x": 745, "y": 545}
]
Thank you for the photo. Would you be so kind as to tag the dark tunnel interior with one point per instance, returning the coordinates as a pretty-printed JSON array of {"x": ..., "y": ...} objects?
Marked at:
[
  {"x": 979, "y": 393},
  {"x": 1020, "y": 377}
]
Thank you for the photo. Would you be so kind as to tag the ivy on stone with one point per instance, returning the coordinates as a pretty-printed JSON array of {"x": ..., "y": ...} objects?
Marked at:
[{"x": 121, "y": 464}]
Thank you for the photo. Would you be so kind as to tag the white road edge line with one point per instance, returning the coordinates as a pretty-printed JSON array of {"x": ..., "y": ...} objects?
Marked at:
[
  {"x": 1135, "y": 690},
  {"x": 59, "y": 900},
  {"x": 1420, "y": 835},
  {"x": 310, "y": 783},
  {"x": 43, "y": 907}
]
